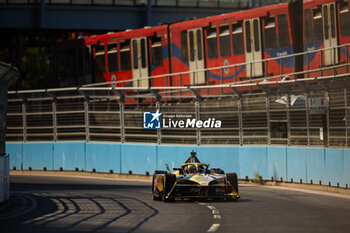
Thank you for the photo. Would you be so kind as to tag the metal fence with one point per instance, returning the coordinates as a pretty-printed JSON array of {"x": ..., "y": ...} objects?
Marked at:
[
  {"x": 253, "y": 118},
  {"x": 255, "y": 111}
]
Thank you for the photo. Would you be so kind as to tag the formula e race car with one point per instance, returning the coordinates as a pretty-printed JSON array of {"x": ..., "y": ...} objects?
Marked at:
[{"x": 194, "y": 180}]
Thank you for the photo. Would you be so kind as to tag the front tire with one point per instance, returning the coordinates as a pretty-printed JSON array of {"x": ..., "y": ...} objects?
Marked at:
[
  {"x": 233, "y": 180},
  {"x": 169, "y": 181}
]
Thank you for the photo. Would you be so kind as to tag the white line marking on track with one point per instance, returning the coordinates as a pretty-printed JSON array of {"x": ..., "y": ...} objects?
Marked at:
[
  {"x": 216, "y": 216},
  {"x": 214, "y": 212},
  {"x": 201, "y": 203},
  {"x": 211, "y": 207},
  {"x": 214, "y": 227}
]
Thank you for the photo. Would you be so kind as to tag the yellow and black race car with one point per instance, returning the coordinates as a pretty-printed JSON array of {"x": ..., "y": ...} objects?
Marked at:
[{"x": 194, "y": 180}]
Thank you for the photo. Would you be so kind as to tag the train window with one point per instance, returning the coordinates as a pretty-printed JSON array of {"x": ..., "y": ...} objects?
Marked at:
[
  {"x": 317, "y": 30},
  {"x": 332, "y": 21},
  {"x": 325, "y": 22},
  {"x": 283, "y": 32},
  {"x": 143, "y": 53},
  {"x": 256, "y": 35},
  {"x": 112, "y": 57},
  {"x": 100, "y": 66},
  {"x": 157, "y": 51},
  {"x": 212, "y": 43},
  {"x": 191, "y": 45},
  {"x": 134, "y": 54},
  {"x": 199, "y": 45},
  {"x": 225, "y": 48},
  {"x": 270, "y": 34},
  {"x": 247, "y": 36},
  {"x": 237, "y": 38},
  {"x": 307, "y": 26},
  {"x": 184, "y": 56},
  {"x": 125, "y": 57},
  {"x": 344, "y": 19}
]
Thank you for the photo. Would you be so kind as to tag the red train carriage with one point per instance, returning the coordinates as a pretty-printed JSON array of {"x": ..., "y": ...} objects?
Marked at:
[
  {"x": 234, "y": 39},
  {"x": 326, "y": 25},
  {"x": 228, "y": 48},
  {"x": 128, "y": 58}
]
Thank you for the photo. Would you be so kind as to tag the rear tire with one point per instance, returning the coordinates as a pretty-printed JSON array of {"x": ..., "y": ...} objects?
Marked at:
[
  {"x": 233, "y": 180},
  {"x": 153, "y": 190}
]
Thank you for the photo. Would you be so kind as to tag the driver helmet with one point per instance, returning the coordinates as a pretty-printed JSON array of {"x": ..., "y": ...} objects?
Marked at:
[{"x": 190, "y": 168}]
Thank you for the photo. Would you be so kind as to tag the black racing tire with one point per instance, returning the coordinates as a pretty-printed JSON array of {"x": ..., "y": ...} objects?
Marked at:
[
  {"x": 169, "y": 181},
  {"x": 160, "y": 172},
  {"x": 233, "y": 180},
  {"x": 154, "y": 196}
]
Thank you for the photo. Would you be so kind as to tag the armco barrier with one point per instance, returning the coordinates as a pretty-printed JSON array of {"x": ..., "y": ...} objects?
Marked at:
[{"x": 297, "y": 164}]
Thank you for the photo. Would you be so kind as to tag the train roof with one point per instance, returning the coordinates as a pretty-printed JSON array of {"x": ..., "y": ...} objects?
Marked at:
[
  {"x": 127, "y": 34},
  {"x": 236, "y": 16}
]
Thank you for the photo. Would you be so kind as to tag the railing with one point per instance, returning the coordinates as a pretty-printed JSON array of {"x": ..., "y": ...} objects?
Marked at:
[
  {"x": 239, "y": 4},
  {"x": 251, "y": 111}
]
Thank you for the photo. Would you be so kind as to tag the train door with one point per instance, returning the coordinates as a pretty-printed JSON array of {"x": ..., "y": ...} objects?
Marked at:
[
  {"x": 139, "y": 62},
  {"x": 196, "y": 61},
  {"x": 253, "y": 51},
  {"x": 330, "y": 33}
]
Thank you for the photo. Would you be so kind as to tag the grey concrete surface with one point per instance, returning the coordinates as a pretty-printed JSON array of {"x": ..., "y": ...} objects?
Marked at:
[{"x": 75, "y": 204}]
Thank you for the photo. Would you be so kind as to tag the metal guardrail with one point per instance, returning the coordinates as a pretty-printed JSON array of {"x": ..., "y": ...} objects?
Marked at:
[
  {"x": 239, "y": 4},
  {"x": 247, "y": 119}
]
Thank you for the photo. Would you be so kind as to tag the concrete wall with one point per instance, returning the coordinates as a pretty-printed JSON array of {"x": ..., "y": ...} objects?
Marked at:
[
  {"x": 4, "y": 178},
  {"x": 306, "y": 164}
]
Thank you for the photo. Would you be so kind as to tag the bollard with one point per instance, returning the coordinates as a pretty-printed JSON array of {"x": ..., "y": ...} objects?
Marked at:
[
  {"x": 147, "y": 173},
  {"x": 93, "y": 170},
  {"x": 111, "y": 171},
  {"x": 130, "y": 172},
  {"x": 76, "y": 169}
]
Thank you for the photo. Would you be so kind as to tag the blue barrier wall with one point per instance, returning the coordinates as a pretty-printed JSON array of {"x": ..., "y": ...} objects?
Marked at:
[
  {"x": 37, "y": 156},
  {"x": 308, "y": 164},
  {"x": 16, "y": 152},
  {"x": 103, "y": 157},
  {"x": 69, "y": 156}
]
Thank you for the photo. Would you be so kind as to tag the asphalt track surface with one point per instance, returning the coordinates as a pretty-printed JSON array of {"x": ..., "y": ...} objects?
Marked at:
[{"x": 71, "y": 204}]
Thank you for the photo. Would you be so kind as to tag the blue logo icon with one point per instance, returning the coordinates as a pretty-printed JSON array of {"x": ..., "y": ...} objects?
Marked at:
[{"x": 151, "y": 120}]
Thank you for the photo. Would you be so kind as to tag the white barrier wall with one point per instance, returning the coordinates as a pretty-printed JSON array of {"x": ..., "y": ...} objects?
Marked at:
[{"x": 4, "y": 178}]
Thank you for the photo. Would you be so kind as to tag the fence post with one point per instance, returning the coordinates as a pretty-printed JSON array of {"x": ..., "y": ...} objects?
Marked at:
[
  {"x": 198, "y": 132},
  {"x": 86, "y": 115},
  {"x": 159, "y": 132},
  {"x": 24, "y": 119},
  {"x": 288, "y": 119},
  {"x": 240, "y": 120},
  {"x": 54, "y": 118},
  {"x": 121, "y": 116},
  {"x": 268, "y": 119},
  {"x": 307, "y": 119},
  {"x": 346, "y": 120}
]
